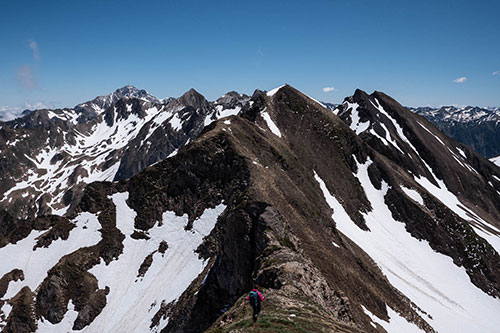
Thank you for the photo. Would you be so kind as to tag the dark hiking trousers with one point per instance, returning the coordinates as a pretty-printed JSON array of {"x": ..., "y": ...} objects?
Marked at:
[{"x": 256, "y": 311}]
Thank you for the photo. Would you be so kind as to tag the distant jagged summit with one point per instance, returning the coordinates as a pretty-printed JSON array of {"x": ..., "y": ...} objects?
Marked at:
[
  {"x": 101, "y": 103},
  {"x": 109, "y": 138}
]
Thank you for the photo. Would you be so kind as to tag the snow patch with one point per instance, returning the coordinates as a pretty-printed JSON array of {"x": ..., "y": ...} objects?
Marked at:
[
  {"x": 356, "y": 125},
  {"x": 384, "y": 141},
  {"x": 270, "y": 123},
  {"x": 222, "y": 113},
  {"x": 176, "y": 122},
  {"x": 496, "y": 160},
  {"x": 461, "y": 152},
  {"x": 173, "y": 153},
  {"x": 272, "y": 92},
  {"x": 413, "y": 194},
  {"x": 6, "y": 308},
  {"x": 166, "y": 279}
]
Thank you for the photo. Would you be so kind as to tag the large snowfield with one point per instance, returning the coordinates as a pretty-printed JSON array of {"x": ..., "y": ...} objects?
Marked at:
[
  {"x": 429, "y": 279},
  {"x": 133, "y": 300}
]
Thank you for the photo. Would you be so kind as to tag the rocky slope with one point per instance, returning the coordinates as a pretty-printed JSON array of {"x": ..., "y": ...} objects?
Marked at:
[
  {"x": 365, "y": 219},
  {"x": 48, "y": 156},
  {"x": 477, "y": 127}
]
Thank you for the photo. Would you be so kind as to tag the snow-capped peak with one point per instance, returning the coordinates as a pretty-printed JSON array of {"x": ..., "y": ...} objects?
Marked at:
[
  {"x": 272, "y": 92},
  {"x": 101, "y": 103}
]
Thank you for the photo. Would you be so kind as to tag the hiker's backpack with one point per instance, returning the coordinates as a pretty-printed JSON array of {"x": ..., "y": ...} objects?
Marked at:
[{"x": 254, "y": 298}]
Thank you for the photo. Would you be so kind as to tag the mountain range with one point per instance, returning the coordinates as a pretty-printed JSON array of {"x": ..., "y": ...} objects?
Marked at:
[
  {"x": 477, "y": 127},
  {"x": 48, "y": 155},
  {"x": 129, "y": 213}
]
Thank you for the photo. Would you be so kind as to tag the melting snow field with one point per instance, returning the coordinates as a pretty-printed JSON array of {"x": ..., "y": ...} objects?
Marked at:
[
  {"x": 36, "y": 263},
  {"x": 270, "y": 123},
  {"x": 133, "y": 301},
  {"x": 431, "y": 280}
]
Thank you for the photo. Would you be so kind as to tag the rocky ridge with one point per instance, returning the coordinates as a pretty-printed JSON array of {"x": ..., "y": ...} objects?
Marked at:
[{"x": 341, "y": 217}]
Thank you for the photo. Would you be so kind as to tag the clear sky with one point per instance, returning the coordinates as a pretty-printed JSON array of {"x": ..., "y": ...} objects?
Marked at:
[{"x": 61, "y": 53}]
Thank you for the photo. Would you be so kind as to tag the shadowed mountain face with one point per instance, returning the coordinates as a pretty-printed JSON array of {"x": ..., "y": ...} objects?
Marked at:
[{"x": 361, "y": 219}]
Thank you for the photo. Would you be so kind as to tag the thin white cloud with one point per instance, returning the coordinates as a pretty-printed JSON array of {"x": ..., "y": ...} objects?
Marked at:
[
  {"x": 36, "y": 106},
  {"x": 496, "y": 73},
  {"x": 460, "y": 79},
  {"x": 329, "y": 89},
  {"x": 8, "y": 113},
  {"x": 25, "y": 77},
  {"x": 12, "y": 112},
  {"x": 34, "y": 47}
]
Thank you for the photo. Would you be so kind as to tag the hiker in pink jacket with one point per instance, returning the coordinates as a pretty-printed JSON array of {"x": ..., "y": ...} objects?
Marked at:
[{"x": 255, "y": 297}]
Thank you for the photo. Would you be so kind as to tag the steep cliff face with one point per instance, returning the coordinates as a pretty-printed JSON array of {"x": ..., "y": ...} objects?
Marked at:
[{"x": 367, "y": 221}]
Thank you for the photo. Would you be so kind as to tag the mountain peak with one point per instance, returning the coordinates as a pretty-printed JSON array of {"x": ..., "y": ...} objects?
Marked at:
[
  {"x": 192, "y": 91},
  {"x": 101, "y": 103},
  {"x": 193, "y": 98},
  {"x": 359, "y": 95},
  {"x": 128, "y": 90}
]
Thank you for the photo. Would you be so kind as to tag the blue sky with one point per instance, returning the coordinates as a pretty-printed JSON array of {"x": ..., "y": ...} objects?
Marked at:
[{"x": 60, "y": 53}]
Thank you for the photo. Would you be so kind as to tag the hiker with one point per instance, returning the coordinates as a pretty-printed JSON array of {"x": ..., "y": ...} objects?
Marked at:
[{"x": 255, "y": 297}]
